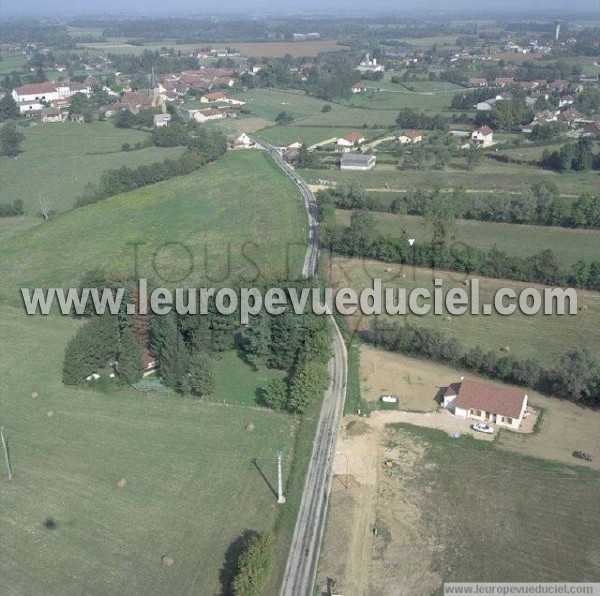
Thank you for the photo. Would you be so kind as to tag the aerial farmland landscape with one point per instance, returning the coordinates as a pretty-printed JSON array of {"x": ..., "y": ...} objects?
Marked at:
[{"x": 300, "y": 300}]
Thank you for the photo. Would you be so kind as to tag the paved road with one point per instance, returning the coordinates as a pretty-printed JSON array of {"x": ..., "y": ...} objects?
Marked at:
[{"x": 303, "y": 558}]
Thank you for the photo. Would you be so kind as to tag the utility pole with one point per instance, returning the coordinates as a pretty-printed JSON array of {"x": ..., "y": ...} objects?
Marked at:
[
  {"x": 280, "y": 497},
  {"x": 5, "y": 452}
]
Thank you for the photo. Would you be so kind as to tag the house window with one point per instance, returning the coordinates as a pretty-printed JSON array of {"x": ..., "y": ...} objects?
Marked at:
[
  {"x": 507, "y": 420},
  {"x": 476, "y": 412}
]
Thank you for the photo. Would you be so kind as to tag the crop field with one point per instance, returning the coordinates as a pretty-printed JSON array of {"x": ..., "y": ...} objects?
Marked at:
[
  {"x": 519, "y": 240},
  {"x": 543, "y": 337},
  {"x": 221, "y": 213},
  {"x": 58, "y": 160},
  {"x": 489, "y": 176},
  {"x": 188, "y": 466}
]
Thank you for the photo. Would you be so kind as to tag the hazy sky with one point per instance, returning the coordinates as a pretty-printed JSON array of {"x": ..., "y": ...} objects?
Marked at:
[{"x": 339, "y": 7}]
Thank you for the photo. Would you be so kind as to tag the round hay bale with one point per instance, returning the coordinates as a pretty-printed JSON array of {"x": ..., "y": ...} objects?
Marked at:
[
  {"x": 505, "y": 349},
  {"x": 167, "y": 561},
  {"x": 388, "y": 269},
  {"x": 122, "y": 483},
  {"x": 249, "y": 427},
  {"x": 34, "y": 395},
  {"x": 50, "y": 413}
]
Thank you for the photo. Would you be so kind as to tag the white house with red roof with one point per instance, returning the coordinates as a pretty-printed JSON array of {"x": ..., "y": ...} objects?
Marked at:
[
  {"x": 503, "y": 406},
  {"x": 483, "y": 137},
  {"x": 352, "y": 139}
]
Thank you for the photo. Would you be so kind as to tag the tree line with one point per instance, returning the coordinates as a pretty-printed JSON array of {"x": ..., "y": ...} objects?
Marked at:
[
  {"x": 361, "y": 239},
  {"x": 207, "y": 146},
  {"x": 572, "y": 157},
  {"x": 541, "y": 205},
  {"x": 575, "y": 376}
]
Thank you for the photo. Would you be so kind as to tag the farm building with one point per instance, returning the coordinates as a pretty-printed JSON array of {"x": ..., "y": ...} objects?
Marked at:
[
  {"x": 358, "y": 88},
  {"x": 243, "y": 142},
  {"x": 483, "y": 137},
  {"x": 504, "y": 406},
  {"x": 351, "y": 139},
  {"x": 357, "y": 161},
  {"x": 51, "y": 115}
]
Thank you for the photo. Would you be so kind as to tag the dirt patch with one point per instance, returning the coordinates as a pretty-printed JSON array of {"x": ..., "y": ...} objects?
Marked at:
[
  {"x": 376, "y": 541},
  {"x": 356, "y": 428},
  {"x": 415, "y": 382}
]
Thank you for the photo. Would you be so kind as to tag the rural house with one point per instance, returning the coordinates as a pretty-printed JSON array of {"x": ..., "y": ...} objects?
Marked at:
[
  {"x": 410, "y": 137},
  {"x": 358, "y": 88},
  {"x": 504, "y": 406},
  {"x": 351, "y": 139},
  {"x": 212, "y": 97},
  {"x": 357, "y": 161},
  {"x": 482, "y": 137}
]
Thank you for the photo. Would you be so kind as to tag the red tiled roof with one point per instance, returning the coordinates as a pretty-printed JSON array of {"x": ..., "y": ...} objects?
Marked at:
[
  {"x": 35, "y": 88},
  {"x": 353, "y": 137},
  {"x": 476, "y": 395}
]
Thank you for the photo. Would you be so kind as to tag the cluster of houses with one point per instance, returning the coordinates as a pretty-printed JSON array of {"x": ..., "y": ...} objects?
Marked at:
[
  {"x": 34, "y": 98},
  {"x": 205, "y": 79}
]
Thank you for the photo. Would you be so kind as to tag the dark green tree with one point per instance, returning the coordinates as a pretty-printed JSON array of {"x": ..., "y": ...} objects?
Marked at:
[
  {"x": 202, "y": 375},
  {"x": 130, "y": 368},
  {"x": 10, "y": 139},
  {"x": 275, "y": 394},
  {"x": 9, "y": 110}
]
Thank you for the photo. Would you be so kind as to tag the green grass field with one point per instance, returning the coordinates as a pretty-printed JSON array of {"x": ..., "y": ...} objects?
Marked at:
[
  {"x": 192, "y": 486},
  {"x": 490, "y": 176},
  {"x": 11, "y": 61},
  {"x": 543, "y": 337},
  {"x": 58, "y": 160},
  {"x": 311, "y": 135},
  {"x": 501, "y": 516},
  {"x": 268, "y": 103},
  {"x": 518, "y": 240},
  {"x": 223, "y": 213}
]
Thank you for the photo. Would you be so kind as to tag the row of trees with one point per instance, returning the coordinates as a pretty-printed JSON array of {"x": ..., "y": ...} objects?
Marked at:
[
  {"x": 572, "y": 157},
  {"x": 202, "y": 149},
  {"x": 362, "y": 239},
  {"x": 409, "y": 118},
  {"x": 576, "y": 376},
  {"x": 541, "y": 204}
]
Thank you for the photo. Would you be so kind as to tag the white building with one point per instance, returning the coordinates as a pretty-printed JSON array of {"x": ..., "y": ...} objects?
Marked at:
[
  {"x": 483, "y": 137},
  {"x": 368, "y": 65},
  {"x": 357, "y": 161},
  {"x": 161, "y": 120},
  {"x": 351, "y": 139},
  {"x": 503, "y": 406}
]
